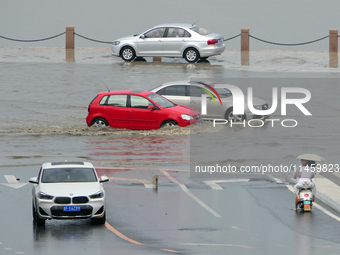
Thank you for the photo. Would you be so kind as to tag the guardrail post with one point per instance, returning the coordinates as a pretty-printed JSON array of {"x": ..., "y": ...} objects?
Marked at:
[
  {"x": 69, "y": 44},
  {"x": 333, "y": 40},
  {"x": 245, "y": 39},
  {"x": 333, "y": 48},
  {"x": 245, "y": 46},
  {"x": 69, "y": 37}
]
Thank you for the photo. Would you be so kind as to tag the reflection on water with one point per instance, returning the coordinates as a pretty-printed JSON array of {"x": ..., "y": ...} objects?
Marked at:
[{"x": 140, "y": 150}]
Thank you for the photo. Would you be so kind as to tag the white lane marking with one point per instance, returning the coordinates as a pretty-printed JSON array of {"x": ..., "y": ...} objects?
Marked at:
[
  {"x": 278, "y": 181},
  {"x": 147, "y": 184},
  {"x": 11, "y": 179},
  {"x": 318, "y": 206},
  {"x": 236, "y": 228},
  {"x": 213, "y": 184},
  {"x": 20, "y": 252},
  {"x": 12, "y": 182},
  {"x": 185, "y": 189},
  {"x": 218, "y": 244}
]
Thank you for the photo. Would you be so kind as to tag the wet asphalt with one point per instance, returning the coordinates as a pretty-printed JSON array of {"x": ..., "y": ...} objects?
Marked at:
[{"x": 44, "y": 106}]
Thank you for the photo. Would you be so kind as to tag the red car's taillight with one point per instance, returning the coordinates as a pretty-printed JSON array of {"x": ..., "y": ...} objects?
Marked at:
[{"x": 212, "y": 41}]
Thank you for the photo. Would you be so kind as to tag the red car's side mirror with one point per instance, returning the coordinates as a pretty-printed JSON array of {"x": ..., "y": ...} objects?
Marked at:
[{"x": 151, "y": 107}]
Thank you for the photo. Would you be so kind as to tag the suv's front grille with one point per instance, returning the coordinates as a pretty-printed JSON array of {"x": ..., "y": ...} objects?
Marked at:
[
  {"x": 80, "y": 200},
  {"x": 62, "y": 200},
  {"x": 75, "y": 200}
]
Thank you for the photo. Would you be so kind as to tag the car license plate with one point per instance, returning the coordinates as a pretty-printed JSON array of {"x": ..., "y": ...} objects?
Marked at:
[
  {"x": 71, "y": 208},
  {"x": 200, "y": 121},
  {"x": 307, "y": 202},
  {"x": 219, "y": 40}
]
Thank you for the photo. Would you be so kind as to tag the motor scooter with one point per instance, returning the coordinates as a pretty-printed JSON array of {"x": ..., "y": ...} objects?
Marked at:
[{"x": 306, "y": 197}]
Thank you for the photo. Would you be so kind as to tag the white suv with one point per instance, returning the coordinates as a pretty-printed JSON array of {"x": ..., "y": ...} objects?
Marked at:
[{"x": 68, "y": 190}]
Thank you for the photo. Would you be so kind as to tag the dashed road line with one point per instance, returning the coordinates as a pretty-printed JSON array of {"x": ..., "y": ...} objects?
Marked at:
[
  {"x": 236, "y": 228},
  {"x": 185, "y": 189},
  {"x": 213, "y": 184},
  {"x": 278, "y": 181},
  {"x": 146, "y": 183},
  {"x": 220, "y": 244}
]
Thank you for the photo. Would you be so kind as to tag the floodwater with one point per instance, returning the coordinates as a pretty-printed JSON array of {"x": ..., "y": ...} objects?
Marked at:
[
  {"x": 286, "y": 21},
  {"x": 44, "y": 105}
]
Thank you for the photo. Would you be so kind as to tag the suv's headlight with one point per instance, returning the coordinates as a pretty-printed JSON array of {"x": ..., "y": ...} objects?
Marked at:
[
  {"x": 186, "y": 117},
  {"x": 116, "y": 42},
  {"x": 42, "y": 195},
  {"x": 99, "y": 194}
]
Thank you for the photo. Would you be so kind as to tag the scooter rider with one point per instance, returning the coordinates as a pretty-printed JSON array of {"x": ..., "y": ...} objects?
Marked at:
[{"x": 306, "y": 173}]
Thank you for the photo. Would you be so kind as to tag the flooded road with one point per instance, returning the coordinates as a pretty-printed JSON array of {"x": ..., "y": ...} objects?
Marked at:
[{"x": 44, "y": 106}]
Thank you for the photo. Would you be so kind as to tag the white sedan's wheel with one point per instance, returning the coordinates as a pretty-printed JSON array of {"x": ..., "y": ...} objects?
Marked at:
[
  {"x": 128, "y": 54},
  {"x": 191, "y": 55}
]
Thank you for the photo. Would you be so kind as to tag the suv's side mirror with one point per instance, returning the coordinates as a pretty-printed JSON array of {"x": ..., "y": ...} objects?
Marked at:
[
  {"x": 151, "y": 107},
  {"x": 34, "y": 180},
  {"x": 104, "y": 179}
]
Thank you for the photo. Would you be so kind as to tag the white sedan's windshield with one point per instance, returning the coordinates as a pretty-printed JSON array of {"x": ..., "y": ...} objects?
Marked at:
[
  {"x": 55, "y": 175},
  {"x": 161, "y": 101},
  {"x": 200, "y": 30},
  {"x": 223, "y": 92}
]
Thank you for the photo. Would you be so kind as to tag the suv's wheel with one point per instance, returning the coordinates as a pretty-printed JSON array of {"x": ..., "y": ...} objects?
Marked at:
[
  {"x": 99, "y": 221},
  {"x": 229, "y": 115},
  {"x": 169, "y": 123},
  {"x": 36, "y": 219},
  {"x": 99, "y": 122},
  {"x": 191, "y": 55},
  {"x": 128, "y": 53}
]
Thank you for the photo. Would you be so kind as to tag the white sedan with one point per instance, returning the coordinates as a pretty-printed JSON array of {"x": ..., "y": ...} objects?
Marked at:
[
  {"x": 68, "y": 190},
  {"x": 170, "y": 40}
]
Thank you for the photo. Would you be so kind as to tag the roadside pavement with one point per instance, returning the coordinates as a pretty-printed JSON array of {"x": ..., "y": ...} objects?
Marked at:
[{"x": 256, "y": 61}]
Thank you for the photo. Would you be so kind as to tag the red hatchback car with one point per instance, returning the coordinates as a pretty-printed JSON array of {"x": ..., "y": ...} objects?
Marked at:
[{"x": 138, "y": 110}]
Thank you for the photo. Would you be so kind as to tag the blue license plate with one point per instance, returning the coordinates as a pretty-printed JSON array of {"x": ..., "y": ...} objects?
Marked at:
[
  {"x": 71, "y": 208},
  {"x": 200, "y": 121},
  {"x": 219, "y": 40},
  {"x": 307, "y": 202}
]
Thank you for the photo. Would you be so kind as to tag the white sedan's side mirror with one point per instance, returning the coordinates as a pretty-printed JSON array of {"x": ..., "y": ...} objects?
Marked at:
[{"x": 142, "y": 37}]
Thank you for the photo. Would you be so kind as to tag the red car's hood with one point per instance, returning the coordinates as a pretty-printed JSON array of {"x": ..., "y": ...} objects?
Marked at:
[{"x": 183, "y": 110}]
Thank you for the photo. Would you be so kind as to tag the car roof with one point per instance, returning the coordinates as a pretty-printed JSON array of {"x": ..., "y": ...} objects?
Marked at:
[
  {"x": 129, "y": 92},
  {"x": 183, "y": 25},
  {"x": 67, "y": 164},
  {"x": 171, "y": 83}
]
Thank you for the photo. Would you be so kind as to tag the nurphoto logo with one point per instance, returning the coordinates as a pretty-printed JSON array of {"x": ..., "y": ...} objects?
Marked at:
[{"x": 239, "y": 104}]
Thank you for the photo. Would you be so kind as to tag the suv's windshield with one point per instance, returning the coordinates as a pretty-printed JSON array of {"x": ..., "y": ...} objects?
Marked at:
[
  {"x": 54, "y": 175},
  {"x": 200, "y": 30},
  {"x": 161, "y": 101}
]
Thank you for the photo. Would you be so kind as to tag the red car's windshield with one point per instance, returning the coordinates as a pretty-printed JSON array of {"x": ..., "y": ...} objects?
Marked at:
[{"x": 161, "y": 101}]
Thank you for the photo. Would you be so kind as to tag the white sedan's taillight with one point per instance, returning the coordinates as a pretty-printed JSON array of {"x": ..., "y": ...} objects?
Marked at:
[{"x": 212, "y": 41}]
